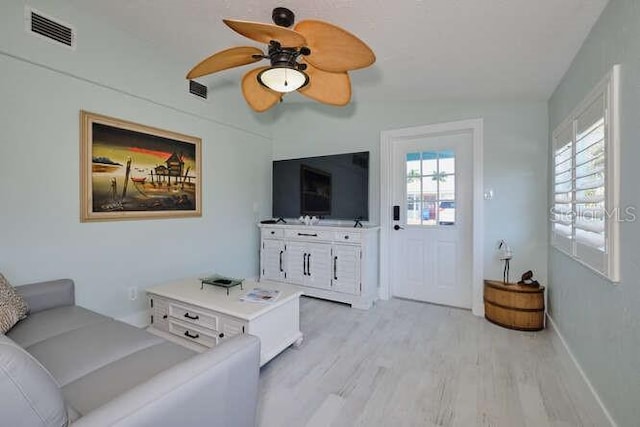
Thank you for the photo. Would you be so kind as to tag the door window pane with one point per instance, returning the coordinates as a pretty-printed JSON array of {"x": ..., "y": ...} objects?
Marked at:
[
  {"x": 429, "y": 213},
  {"x": 447, "y": 186},
  {"x": 429, "y": 163},
  {"x": 413, "y": 164},
  {"x": 447, "y": 162},
  {"x": 447, "y": 212},
  {"x": 429, "y": 189},
  {"x": 413, "y": 209}
]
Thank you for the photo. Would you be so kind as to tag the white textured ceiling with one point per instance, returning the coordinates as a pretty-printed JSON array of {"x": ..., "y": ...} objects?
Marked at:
[{"x": 426, "y": 49}]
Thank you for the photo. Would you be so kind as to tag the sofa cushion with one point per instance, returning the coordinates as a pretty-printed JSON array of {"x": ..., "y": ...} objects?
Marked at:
[
  {"x": 104, "y": 384},
  {"x": 74, "y": 354},
  {"x": 30, "y": 396},
  {"x": 12, "y": 306},
  {"x": 49, "y": 323}
]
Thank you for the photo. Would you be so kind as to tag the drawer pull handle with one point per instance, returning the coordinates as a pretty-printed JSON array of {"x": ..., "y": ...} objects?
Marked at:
[
  {"x": 187, "y": 334},
  {"x": 188, "y": 316},
  {"x": 335, "y": 268},
  {"x": 221, "y": 335},
  {"x": 273, "y": 232},
  {"x": 346, "y": 237},
  {"x": 308, "y": 234},
  {"x": 165, "y": 316},
  {"x": 304, "y": 264},
  {"x": 281, "y": 269}
]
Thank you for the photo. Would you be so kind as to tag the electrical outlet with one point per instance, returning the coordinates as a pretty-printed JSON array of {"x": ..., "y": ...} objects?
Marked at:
[{"x": 133, "y": 293}]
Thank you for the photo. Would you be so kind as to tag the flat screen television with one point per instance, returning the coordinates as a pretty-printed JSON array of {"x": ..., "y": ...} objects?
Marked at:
[{"x": 329, "y": 187}]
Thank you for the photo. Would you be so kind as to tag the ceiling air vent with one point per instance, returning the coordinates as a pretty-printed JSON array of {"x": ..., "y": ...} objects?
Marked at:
[
  {"x": 197, "y": 89},
  {"x": 47, "y": 27}
]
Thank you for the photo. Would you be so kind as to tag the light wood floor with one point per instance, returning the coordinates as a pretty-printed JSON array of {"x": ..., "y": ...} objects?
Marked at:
[{"x": 405, "y": 363}]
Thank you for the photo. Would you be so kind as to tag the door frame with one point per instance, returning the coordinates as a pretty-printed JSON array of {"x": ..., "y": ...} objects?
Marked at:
[{"x": 387, "y": 140}]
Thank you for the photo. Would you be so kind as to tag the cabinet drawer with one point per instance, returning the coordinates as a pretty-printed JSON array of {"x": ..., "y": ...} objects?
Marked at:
[
  {"x": 347, "y": 237},
  {"x": 198, "y": 335},
  {"x": 272, "y": 233},
  {"x": 310, "y": 235},
  {"x": 193, "y": 316}
]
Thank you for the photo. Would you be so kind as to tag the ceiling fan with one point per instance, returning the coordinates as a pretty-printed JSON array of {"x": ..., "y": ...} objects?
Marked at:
[{"x": 313, "y": 58}]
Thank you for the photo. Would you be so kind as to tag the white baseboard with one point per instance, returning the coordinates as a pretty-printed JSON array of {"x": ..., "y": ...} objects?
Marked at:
[
  {"x": 581, "y": 371},
  {"x": 139, "y": 319}
]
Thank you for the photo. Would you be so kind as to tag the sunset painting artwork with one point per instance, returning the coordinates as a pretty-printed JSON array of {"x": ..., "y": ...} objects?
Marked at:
[{"x": 130, "y": 171}]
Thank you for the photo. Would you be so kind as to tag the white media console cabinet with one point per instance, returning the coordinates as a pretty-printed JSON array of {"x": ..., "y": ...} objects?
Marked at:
[{"x": 332, "y": 262}]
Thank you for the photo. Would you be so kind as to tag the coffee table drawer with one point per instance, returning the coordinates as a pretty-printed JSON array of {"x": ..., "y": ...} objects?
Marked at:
[
  {"x": 193, "y": 316},
  {"x": 198, "y": 335}
]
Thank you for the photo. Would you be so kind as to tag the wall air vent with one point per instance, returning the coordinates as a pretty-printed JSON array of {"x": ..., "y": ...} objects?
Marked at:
[
  {"x": 49, "y": 28},
  {"x": 197, "y": 89}
]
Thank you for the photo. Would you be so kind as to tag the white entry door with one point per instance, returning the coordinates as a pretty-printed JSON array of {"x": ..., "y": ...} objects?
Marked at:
[{"x": 431, "y": 240}]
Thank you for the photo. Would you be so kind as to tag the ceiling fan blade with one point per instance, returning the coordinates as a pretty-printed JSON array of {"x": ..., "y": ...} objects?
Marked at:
[
  {"x": 229, "y": 58},
  {"x": 257, "y": 96},
  {"x": 264, "y": 33},
  {"x": 334, "y": 49},
  {"x": 328, "y": 88}
]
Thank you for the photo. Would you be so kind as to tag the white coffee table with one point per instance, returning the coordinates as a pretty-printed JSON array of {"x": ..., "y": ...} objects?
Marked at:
[{"x": 201, "y": 318}]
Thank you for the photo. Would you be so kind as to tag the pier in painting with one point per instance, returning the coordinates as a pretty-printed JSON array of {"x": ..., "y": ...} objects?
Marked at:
[{"x": 133, "y": 171}]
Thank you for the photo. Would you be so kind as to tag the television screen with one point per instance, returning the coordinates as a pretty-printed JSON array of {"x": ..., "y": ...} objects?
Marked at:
[{"x": 329, "y": 187}]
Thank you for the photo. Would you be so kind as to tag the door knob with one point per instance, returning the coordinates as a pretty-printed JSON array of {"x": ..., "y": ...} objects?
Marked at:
[{"x": 397, "y": 227}]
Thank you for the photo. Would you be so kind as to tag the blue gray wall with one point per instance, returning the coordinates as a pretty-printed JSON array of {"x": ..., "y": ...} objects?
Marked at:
[
  {"x": 42, "y": 89},
  {"x": 600, "y": 321}
]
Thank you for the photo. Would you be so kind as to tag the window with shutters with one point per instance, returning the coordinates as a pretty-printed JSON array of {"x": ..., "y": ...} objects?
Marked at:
[{"x": 585, "y": 212}]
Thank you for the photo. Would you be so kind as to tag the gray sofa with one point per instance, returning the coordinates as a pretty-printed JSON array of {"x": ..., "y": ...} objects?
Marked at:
[{"x": 66, "y": 364}]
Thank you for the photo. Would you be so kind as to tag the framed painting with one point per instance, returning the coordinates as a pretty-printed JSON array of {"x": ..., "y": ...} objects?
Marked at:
[{"x": 132, "y": 171}]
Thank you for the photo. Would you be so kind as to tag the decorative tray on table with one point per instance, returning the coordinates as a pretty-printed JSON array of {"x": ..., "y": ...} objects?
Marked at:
[{"x": 222, "y": 281}]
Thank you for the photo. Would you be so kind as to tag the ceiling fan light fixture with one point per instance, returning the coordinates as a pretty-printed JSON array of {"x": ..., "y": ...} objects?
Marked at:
[{"x": 283, "y": 79}]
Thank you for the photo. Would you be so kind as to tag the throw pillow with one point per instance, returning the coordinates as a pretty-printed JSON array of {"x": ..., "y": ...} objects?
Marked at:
[{"x": 13, "y": 307}]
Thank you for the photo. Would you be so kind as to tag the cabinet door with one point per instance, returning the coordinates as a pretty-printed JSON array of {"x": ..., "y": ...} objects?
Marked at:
[
  {"x": 318, "y": 265},
  {"x": 272, "y": 260},
  {"x": 159, "y": 313},
  {"x": 230, "y": 328},
  {"x": 296, "y": 259},
  {"x": 345, "y": 270}
]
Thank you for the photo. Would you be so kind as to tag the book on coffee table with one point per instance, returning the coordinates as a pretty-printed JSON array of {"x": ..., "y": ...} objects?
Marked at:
[{"x": 261, "y": 295}]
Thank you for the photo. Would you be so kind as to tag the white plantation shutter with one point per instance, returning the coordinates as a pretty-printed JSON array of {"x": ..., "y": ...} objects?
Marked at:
[
  {"x": 562, "y": 211},
  {"x": 589, "y": 174},
  {"x": 585, "y": 214}
]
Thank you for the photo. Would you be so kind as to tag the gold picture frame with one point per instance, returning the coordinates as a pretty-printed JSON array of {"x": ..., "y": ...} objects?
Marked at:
[{"x": 130, "y": 171}]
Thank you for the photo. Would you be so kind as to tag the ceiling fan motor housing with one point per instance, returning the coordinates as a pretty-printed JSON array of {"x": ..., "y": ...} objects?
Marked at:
[{"x": 286, "y": 57}]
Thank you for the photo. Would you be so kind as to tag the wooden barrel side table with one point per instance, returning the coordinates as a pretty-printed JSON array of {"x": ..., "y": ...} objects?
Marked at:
[{"x": 514, "y": 306}]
